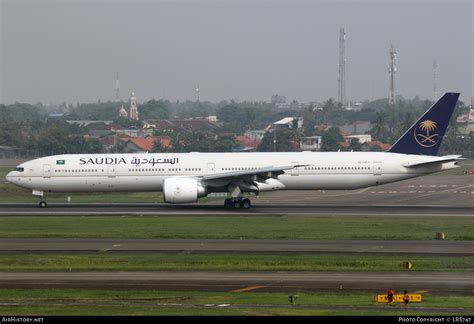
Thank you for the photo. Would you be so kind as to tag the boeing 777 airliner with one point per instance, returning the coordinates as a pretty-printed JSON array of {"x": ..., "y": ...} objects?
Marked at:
[{"x": 186, "y": 177}]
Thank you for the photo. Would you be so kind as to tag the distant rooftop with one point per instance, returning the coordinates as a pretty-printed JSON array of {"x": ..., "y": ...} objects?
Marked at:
[{"x": 88, "y": 122}]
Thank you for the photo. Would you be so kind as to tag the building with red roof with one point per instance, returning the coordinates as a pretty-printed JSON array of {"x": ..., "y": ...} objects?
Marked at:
[{"x": 139, "y": 144}]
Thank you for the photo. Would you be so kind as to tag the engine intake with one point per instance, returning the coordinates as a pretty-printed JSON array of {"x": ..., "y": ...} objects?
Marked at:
[{"x": 182, "y": 190}]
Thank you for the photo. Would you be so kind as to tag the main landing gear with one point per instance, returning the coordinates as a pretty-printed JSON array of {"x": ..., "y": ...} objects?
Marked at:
[
  {"x": 237, "y": 203},
  {"x": 43, "y": 204}
]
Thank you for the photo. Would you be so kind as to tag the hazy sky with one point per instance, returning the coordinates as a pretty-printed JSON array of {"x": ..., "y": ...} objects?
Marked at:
[{"x": 55, "y": 51}]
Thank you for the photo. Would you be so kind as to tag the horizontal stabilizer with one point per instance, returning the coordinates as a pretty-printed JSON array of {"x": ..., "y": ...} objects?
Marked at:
[{"x": 441, "y": 159}]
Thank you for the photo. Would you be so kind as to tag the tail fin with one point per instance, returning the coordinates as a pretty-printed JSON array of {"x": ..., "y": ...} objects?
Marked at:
[{"x": 425, "y": 136}]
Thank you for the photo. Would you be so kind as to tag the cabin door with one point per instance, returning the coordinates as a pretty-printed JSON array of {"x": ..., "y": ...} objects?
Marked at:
[
  {"x": 211, "y": 168},
  {"x": 111, "y": 170},
  {"x": 377, "y": 168},
  {"x": 46, "y": 170}
]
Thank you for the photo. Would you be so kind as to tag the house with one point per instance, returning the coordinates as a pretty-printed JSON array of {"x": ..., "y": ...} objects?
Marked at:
[
  {"x": 311, "y": 143},
  {"x": 102, "y": 129},
  {"x": 212, "y": 119},
  {"x": 247, "y": 143},
  {"x": 137, "y": 145},
  {"x": 140, "y": 145},
  {"x": 286, "y": 122},
  {"x": 181, "y": 125},
  {"x": 361, "y": 138},
  {"x": 321, "y": 128},
  {"x": 465, "y": 122},
  {"x": 132, "y": 131},
  {"x": 163, "y": 125},
  {"x": 357, "y": 127},
  {"x": 375, "y": 145},
  {"x": 88, "y": 122},
  {"x": 164, "y": 140},
  {"x": 255, "y": 134},
  {"x": 110, "y": 142}
]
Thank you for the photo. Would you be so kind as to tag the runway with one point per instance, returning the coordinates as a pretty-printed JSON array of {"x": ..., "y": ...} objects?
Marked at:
[
  {"x": 268, "y": 247},
  {"x": 217, "y": 209},
  {"x": 438, "y": 282}
]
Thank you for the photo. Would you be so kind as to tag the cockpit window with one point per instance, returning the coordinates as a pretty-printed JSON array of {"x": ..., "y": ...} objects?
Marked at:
[{"x": 20, "y": 169}]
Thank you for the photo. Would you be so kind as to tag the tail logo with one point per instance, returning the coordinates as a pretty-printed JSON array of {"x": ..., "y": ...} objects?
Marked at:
[{"x": 425, "y": 133}]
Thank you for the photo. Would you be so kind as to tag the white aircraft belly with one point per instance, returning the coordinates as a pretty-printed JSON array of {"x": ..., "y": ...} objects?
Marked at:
[
  {"x": 91, "y": 184},
  {"x": 338, "y": 182}
]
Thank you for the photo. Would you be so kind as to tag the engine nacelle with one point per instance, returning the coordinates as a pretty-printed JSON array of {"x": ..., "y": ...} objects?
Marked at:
[{"x": 182, "y": 190}]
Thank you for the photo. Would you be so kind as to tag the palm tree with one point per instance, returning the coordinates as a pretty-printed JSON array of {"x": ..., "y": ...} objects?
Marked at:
[
  {"x": 380, "y": 128},
  {"x": 295, "y": 132},
  {"x": 157, "y": 147}
]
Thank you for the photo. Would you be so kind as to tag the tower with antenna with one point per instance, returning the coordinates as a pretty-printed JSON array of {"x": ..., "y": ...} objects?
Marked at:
[
  {"x": 392, "y": 68},
  {"x": 341, "y": 89},
  {"x": 117, "y": 88},
  {"x": 435, "y": 80},
  {"x": 198, "y": 94}
]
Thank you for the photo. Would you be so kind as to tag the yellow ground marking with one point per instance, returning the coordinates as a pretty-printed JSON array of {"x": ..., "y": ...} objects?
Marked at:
[{"x": 248, "y": 288}]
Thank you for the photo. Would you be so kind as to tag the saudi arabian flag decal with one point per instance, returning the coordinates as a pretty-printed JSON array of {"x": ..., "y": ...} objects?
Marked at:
[{"x": 60, "y": 162}]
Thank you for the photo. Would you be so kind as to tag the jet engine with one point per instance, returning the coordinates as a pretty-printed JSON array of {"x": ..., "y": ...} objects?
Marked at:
[{"x": 182, "y": 190}]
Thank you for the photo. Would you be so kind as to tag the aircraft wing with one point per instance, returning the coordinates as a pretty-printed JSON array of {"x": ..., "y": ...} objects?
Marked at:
[
  {"x": 441, "y": 159},
  {"x": 259, "y": 174}
]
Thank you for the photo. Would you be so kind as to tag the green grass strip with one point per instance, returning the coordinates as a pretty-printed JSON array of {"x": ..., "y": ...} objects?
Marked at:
[
  {"x": 237, "y": 262},
  {"x": 238, "y": 227},
  {"x": 128, "y": 302}
]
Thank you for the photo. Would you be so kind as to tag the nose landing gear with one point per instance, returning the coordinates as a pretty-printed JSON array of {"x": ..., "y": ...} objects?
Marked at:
[{"x": 40, "y": 195}]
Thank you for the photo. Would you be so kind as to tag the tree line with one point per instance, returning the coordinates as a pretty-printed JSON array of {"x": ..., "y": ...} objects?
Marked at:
[{"x": 29, "y": 127}]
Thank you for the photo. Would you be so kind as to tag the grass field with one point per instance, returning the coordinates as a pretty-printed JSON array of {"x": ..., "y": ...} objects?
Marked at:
[
  {"x": 239, "y": 227},
  {"x": 131, "y": 302},
  {"x": 231, "y": 262}
]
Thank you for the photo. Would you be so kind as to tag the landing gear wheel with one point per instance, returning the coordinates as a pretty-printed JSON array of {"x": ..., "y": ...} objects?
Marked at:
[
  {"x": 43, "y": 204},
  {"x": 228, "y": 203},
  {"x": 246, "y": 204},
  {"x": 237, "y": 204}
]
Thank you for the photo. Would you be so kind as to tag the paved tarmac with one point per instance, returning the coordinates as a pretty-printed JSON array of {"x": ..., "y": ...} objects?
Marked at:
[
  {"x": 216, "y": 209},
  {"x": 435, "y": 190},
  {"x": 435, "y": 282},
  {"x": 307, "y": 247}
]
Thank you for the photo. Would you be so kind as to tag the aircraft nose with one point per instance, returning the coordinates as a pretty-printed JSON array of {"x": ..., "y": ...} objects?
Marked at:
[{"x": 9, "y": 177}]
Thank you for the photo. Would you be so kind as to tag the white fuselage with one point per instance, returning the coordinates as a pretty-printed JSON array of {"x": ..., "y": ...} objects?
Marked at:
[{"x": 147, "y": 171}]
